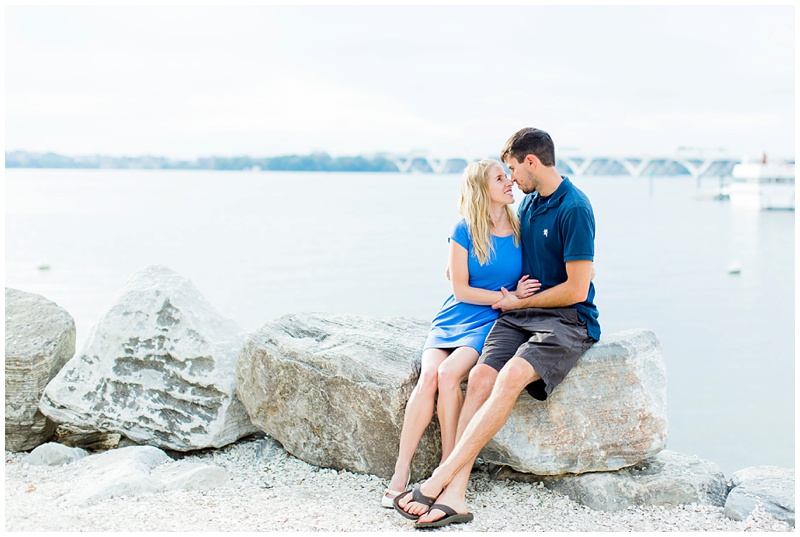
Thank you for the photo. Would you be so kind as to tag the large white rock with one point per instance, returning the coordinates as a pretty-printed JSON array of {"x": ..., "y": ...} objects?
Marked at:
[
  {"x": 40, "y": 339},
  {"x": 332, "y": 389},
  {"x": 610, "y": 412},
  {"x": 768, "y": 487},
  {"x": 158, "y": 368}
]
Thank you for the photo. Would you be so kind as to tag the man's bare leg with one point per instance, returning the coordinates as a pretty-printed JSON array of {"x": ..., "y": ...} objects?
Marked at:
[
  {"x": 479, "y": 388},
  {"x": 489, "y": 418}
]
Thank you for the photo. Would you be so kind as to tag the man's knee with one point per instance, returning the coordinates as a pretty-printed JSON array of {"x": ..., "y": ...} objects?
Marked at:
[{"x": 517, "y": 374}]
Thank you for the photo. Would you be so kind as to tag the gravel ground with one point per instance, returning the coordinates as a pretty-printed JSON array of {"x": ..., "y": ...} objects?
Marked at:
[{"x": 270, "y": 490}]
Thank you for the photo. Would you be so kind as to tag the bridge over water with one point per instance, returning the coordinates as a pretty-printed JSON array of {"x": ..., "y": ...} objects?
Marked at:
[{"x": 573, "y": 163}]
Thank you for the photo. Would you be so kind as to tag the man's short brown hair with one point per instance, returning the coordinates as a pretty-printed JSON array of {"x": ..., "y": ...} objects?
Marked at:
[{"x": 530, "y": 141}]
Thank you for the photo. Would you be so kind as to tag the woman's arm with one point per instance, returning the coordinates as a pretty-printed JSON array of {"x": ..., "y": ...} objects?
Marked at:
[{"x": 459, "y": 279}]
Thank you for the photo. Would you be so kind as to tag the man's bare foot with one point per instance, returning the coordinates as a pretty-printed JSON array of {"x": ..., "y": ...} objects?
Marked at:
[{"x": 452, "y": 499}]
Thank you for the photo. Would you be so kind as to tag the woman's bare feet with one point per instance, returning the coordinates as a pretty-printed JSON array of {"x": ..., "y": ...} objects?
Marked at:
[
  {"x": 398, "y": 484},
  {"x": 400, "y": 480}
]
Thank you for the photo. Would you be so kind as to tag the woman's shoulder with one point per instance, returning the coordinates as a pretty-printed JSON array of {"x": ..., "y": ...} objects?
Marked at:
[
  {"x": 461, "y": 225},
  {"x": 460, "y": 233}
]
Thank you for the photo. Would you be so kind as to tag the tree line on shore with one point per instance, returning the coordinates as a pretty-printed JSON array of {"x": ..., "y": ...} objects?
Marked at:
[{"x": 318, "y": 161}]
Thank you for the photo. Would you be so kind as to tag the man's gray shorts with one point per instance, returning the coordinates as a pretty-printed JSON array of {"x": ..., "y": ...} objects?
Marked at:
[{"x": 550, "y": 339}]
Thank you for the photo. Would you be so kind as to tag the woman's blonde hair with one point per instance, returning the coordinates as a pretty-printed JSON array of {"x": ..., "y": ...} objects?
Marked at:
[{"x": 474, "y": 207}]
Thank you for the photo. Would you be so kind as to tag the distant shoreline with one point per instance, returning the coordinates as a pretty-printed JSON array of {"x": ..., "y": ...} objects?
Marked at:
[{"x": 314, "y": 162}]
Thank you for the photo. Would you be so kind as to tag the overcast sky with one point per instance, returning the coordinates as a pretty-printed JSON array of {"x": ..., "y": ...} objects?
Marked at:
[{"x": 269, "y": 80}]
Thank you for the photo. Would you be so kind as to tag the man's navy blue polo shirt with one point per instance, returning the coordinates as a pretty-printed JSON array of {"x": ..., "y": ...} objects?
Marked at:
[{"x": 556, "y": 229}]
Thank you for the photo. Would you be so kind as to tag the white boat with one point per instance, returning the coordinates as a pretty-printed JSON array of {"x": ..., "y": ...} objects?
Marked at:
[{"x": 762, "y": 186}]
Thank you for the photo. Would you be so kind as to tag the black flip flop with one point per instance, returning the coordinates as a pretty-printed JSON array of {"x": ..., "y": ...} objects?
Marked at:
[
  {"x": 417, "y": 496},
  {"x": 451, "y": 517}
]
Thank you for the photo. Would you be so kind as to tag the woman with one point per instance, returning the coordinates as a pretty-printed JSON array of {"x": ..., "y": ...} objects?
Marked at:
[{"x": 485, "y": 255}]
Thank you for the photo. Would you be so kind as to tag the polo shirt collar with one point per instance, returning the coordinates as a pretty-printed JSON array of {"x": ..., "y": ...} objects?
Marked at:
[{"x": 553, "y": 199}]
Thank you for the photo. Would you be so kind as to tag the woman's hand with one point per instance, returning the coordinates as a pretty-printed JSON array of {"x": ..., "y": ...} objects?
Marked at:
[{"x": 526, "y": 287}]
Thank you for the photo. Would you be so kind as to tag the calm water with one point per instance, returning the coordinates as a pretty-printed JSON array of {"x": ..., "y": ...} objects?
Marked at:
[{"x": 259, "y": 245}]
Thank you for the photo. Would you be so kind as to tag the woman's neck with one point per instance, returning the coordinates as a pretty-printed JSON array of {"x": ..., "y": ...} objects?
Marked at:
[{"x": 499, "y": 217}]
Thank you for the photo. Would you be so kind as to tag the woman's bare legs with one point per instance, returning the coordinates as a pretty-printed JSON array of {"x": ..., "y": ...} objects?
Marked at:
[
  {"x": 419, "y": 412},
  {"x": 452, "y": 372}
]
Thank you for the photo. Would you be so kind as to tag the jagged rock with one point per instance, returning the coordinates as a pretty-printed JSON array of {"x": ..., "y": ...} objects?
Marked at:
[
  {"x": 332, "y": 389},
  {"x": 54, "y": 454},
  {"x": 40, "y": 339},
  {"x": 158, "y": 368},
  {"x": 609, "y": 413},
  {"x": 137, "y": 470},
  {"x": 770, "y": 487},
  {"x": 667, "y": 479}
]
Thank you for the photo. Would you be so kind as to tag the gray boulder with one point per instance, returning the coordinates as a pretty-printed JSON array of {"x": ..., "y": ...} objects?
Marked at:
[
  {"x": 332, "y": 389},
  {"x": 158, "y": 368},
  {"x": 768, "y": 487},
  {"x": 54, "y": 454},
  {"x": 668, "y": 479},
  {"x": 137, "y": 470},
  {"x": 609, "y": 413},
  {"x": 40, "y": 339}
]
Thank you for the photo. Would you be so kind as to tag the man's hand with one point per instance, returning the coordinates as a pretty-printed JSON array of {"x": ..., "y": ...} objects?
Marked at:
[{"x": 508, "y": 302}]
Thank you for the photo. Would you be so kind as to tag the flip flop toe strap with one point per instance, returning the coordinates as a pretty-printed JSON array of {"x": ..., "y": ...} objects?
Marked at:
[
  {"x": 446, "y": 509},
  {"x": 419, "y": 497}
]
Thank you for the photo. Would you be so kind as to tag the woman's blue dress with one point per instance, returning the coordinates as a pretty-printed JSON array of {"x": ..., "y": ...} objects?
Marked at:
[{"x": 459, "y": 324}]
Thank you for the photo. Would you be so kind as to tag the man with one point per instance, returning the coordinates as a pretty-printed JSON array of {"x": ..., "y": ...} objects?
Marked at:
[{"x": 536, "y": 341}]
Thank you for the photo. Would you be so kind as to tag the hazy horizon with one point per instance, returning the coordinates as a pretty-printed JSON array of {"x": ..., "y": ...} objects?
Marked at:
[
  {"x": 192, "y": 82},
  {"x": 421, "y": 151}
]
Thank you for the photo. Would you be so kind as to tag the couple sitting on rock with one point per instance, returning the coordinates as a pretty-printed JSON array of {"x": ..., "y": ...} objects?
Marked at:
[{"x": 537, "y": 269}]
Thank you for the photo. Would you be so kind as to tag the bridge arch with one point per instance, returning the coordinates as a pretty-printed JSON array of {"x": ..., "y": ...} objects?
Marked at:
[{"x": 576, "y": 164}]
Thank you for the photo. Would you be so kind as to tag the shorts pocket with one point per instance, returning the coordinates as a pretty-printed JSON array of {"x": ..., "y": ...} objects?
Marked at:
[{"x": 575, "y": 318}]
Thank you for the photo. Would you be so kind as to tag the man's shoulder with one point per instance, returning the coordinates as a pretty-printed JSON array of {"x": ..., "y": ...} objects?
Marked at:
[{"x": 575, "y": 198}]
